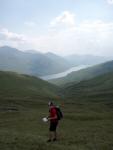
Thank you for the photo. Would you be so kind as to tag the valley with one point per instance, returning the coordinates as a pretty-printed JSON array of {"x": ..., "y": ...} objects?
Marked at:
[{"x": 87, "y": 108}]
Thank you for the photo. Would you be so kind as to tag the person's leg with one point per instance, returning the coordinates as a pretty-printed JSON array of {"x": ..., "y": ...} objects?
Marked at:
[
  {"x": 55, "y": 132},
  {"x": 50, "y": 133},
  {"x": 52, "y": 136},
  {"x": 55, "y": 136}
]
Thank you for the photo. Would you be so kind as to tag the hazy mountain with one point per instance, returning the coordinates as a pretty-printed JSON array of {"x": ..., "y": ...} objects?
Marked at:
[
  {"x": 76, "y": 60},
  {"x": 31, "y": 62},
  {"x": 32, "y": 51},
  {"x": 98, "y": 89},
  {"x": 14, "y": 60},
  {"x": 85, "y": 74},
  {"x": 58, "y": 60},
  {"x": 39, "y": 64}
]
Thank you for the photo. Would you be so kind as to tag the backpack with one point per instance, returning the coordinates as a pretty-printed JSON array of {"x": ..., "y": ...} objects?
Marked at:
[{"x": 59, "y": 113}]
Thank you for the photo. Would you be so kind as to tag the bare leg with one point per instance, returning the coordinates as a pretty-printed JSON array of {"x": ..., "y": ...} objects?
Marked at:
[
  {"x": 55, "y": 136},
  {"x": 50, "y": 136}
]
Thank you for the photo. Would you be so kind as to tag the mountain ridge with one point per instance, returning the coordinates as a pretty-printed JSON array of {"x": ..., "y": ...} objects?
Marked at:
[{"x": 36, "y": 64}]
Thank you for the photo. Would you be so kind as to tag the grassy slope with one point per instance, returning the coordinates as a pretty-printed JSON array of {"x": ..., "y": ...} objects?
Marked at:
[
  {"x": 98, "y": 88},
  {"x": 86, "y": 126},
  {"x": 16, "y": 87},
  {"x": 85, "y": 74}
]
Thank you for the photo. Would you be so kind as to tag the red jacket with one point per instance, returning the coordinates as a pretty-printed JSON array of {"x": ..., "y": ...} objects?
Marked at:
[{"x": 53, "y": 114}]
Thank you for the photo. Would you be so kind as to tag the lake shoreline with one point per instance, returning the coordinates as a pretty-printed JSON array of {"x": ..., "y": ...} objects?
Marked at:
[{"x": 65, "y": 73}]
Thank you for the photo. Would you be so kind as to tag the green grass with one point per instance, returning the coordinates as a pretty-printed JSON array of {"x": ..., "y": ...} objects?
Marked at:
[
  {"x": 84, "y": 127},
  {"x": 24, "y": 86},
  {"x": 97, "y": 89},
  {"x": 87, "y": 125}
]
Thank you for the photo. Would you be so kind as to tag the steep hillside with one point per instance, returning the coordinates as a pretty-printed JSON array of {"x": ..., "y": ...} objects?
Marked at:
[
  {"x": 85, "y": 74},
  {"x": 98, "y": 88},
  {"x": 17, "y": 88}
]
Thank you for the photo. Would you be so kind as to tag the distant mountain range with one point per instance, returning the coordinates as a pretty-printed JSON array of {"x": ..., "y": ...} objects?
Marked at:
[
  {"x": 33, "y": 62},
  {"x": 85, "y": 59},
  {"x": 84, "y": 74}
]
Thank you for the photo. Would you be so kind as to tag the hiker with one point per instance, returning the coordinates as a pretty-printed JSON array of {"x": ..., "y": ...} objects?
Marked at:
[{"x": 53, "y": 118}]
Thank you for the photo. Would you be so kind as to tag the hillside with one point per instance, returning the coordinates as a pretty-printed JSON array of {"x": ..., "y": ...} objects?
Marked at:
[
  {"x": 31, "y": 62},
  {"x": 23, "y": 104},
  {"x": 84, "y": 74},
  {"x": 17, "y": 88},
  {"x": 98, "y": 89}
]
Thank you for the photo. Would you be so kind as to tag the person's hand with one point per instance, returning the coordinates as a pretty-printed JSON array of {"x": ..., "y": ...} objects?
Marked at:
[{"x": 47, "y": 118}]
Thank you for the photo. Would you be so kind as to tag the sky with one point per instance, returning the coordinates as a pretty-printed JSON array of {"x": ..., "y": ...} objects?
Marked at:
[{"x": 60, "y": 26}]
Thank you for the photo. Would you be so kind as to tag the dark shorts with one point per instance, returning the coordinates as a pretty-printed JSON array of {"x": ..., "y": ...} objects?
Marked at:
[{"x": 53, "y": 126}]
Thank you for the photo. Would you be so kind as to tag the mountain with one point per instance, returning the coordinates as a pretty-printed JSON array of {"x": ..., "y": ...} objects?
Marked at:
[
  {"x": 58, "y": 59},
  {"x": 98, "y": 89},
  {"x": 16, "y": 87},
  {"x": 31, "y": 51},
  {"x": 30, "y": 62},
  {"x": 76, "y": 60},
  {"x": 84, "y": 74},
  {"x": 14, "y": 60}
]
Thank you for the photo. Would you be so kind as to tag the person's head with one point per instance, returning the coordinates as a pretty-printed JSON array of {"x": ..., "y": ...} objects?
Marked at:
[{"x": 50, "y": 104}]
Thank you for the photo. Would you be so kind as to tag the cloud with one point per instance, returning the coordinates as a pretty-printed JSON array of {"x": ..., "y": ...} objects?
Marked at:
[
  {"x": 93, "y": 37},
  {"x": 17, "y": 40},
  {"x": 110, "y": 1},
  {"x": 66, "y": 19},
  {"x": 13, "y": 39},
  {"x": 96, "y": 26},
  {"x": 87, "y": 37},
  {"x": 30, "y": 24},
  {"x": 5, "y": 34}
]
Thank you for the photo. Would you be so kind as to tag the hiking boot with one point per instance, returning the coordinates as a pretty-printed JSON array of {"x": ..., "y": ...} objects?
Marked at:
[
  {"x": 49, "y": 140},
  {"x": 54, "y": 139}
]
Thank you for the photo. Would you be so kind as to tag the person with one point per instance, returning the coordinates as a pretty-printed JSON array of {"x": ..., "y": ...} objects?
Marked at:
[{"x": 53, "y": 122}]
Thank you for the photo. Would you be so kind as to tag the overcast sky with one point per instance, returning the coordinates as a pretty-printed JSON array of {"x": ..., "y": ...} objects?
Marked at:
[{"x": 59, "y": 26}]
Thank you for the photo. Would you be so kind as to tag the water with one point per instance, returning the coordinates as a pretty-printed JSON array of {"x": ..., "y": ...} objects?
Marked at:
[{"x": 65, "y": 73}]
